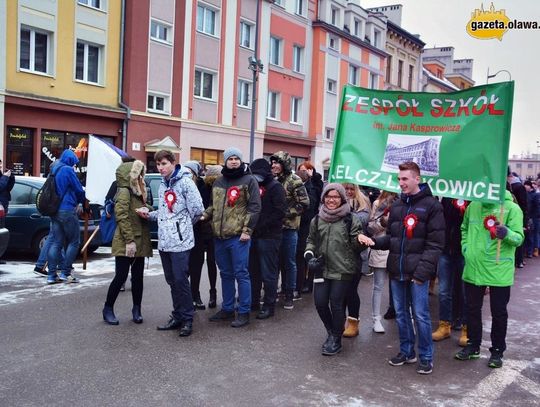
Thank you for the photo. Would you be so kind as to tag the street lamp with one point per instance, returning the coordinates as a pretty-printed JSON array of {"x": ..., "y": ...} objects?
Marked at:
[{"x": 496, "y": 73}]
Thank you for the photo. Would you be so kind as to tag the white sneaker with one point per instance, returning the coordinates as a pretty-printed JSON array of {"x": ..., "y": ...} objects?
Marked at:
[{"x": 377, "y": 325}]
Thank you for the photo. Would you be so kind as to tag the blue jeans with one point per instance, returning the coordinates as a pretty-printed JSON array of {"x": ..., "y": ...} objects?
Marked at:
[
  {"x": 288, "y": 259},
  {"x": 419, "y": 297},
  {"x": 65, "y": 230},
  {"x": 264, "y": 268},
  {"x": 449, "y": 265},
  {"x": 176, "y": 271},
  {"x": 232, "y": 258},
  {"x": 44, "y": 252}
]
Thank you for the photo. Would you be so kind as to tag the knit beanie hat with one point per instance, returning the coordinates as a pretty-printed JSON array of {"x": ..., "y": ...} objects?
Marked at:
[
  {"x": 261, "y": 169},
  {"x": 194, "y": 166},
  {"x": 213, "y": 170},
  {"x": 232, "y": 151},
  {"x": 337, "y": 187}
]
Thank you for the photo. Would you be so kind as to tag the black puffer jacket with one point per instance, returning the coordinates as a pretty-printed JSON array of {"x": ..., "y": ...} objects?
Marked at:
[
  {"x": 417, "y": 257},
  {"x": 453, "y": 218}
]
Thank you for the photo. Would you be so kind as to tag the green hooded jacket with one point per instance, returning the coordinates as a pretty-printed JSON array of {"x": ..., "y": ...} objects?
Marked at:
[
  {"x": 130, "y": 227},
  {"x": 480, "y": 251}
]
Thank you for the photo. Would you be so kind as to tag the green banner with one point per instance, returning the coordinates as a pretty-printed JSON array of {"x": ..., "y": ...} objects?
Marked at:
[{"x": 460, "y": 140}]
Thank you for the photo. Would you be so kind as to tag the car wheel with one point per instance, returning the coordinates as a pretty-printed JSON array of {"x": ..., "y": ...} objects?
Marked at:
[{"x": 38, "y": 242}]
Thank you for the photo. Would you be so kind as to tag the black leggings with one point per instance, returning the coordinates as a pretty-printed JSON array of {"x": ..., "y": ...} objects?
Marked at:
[
  {"x": 352, "y": 299},
  {"x": 333, "y": 292},
  {"x": 123, "y": 265},
  {"x": 196, "y": 262}
]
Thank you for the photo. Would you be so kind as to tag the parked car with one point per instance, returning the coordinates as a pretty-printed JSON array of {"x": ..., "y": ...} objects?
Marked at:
[
  {"x": 28, "y": 228},
  {"x": 152, "y": 185},
  {"x": 4, "y": 233}
]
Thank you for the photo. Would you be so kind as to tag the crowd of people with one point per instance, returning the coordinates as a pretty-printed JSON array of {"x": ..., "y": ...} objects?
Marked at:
[{"x": 276, "y": 233}]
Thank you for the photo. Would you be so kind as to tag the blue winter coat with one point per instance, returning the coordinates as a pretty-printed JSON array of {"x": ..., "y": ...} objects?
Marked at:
[{"x": 68, "y": 185}]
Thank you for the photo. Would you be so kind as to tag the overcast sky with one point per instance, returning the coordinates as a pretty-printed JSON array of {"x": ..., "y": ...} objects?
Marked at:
[{"x": 442, "y": 23}]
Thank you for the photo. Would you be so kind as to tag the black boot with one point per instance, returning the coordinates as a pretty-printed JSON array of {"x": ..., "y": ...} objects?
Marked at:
[
  {"x": 136, "y": 312},
  {"x": 266, "y": 312},
  {"x": 328, "y": 339},
  {"x": 197, "y": 302},
  {"x": 334, "y": 346},
  {"x": 170, "y": 325},
  {"x": 186, "y": 329},
  {"x": 108, "y": 316},
  {"x": 241, "y": 320},
  {"x": 212, "y": 303}
]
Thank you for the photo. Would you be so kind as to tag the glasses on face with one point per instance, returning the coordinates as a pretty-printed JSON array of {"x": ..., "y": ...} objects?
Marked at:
[{"x": 333, "y": 197}]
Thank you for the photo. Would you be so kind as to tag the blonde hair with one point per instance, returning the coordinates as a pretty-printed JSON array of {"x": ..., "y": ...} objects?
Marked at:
[{"x": 360, "y": 201}]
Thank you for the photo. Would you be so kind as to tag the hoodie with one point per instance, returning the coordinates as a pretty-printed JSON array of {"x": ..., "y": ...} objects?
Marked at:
[
  {"x": 175, "y": 225},
  {"x": 68, "y": 186}
]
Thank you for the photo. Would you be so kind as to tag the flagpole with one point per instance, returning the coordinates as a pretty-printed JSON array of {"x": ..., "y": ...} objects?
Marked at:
[{"x": 501, "y": 221}]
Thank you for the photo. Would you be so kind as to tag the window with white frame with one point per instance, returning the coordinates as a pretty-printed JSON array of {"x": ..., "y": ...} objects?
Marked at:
[
  {"x": 331, "y": 86},
  {"x": 329, "y": 133},
  {"x": 160, "y": 32},
  {"x": 158, "y": 103},
  {"x": 298, "y": 58},
  {"x": 35, "y": 50},
  {"x": 244, "y": 94},
  {"x": 353, "y": 75},
  {"x": 333, "y": 42},
  {"x": 296, "y": 110},
  {"x": 204, "y": 84},
  {"x": 87, "y": 66},
  {"x": 334, "y": 15},
  {"x": 357, "y": 28},
  {"x": 300, "y": 7},
  {"x": 246, "y": 34},
  {"x": 273, "y": 105},
  {"x": 373, "y": 81},
  {"x": 279, "y": 3},
  {"x": 377, "y": 38},
  {"x": 206, "y": 19},
  {"x": 275, "y": 50},
  {"x": 92, "y": 3}
]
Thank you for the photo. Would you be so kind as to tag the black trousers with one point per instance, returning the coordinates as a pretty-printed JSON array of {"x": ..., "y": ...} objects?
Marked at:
[
  {"x": 123, "y": 264},
  {"x": 498, "y": 299},
  {"x": 196, "y": 262},
  {"x": 352, "y": 299},
  {"x": 329, "y": 298}
]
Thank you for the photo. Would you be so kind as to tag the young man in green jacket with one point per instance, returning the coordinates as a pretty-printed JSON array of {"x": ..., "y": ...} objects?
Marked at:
[{"x": 480, "y": 234}]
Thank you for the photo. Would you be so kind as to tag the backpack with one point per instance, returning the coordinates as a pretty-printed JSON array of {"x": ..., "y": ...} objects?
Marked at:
[{"x": 47, "y": 199}]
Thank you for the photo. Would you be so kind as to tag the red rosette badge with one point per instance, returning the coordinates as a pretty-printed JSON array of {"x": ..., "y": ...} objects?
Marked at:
[
  {"x": 461, "y": 205},
  {"x": 490, "y": 223},
  {"x": 170, "y": 199},
  {"x": 262, "y": 191},
  {"x": 410, "y": 223},
  {"x": 233, "y": 193}
]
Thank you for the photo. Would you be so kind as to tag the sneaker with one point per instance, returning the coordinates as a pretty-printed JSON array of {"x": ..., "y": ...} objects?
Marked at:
[
  {"x": 401, "y": 359},
  {"x": 495, "y": 360},
  {"x": 68, "y": 279},
  {"x": 53, "y": 279},
  {"x": 297, "y": 296},
  {"x": 40, "y": 271},
  {"x": 468, "y": 353},
  {"x": 288, "y": 303},
  {"x": 424, "y": 367}
]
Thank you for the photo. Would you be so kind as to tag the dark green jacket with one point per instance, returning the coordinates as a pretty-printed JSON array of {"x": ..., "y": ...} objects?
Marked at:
[
  {"x": 337, "y": 245},
  {"x": 130, "y": 227}
]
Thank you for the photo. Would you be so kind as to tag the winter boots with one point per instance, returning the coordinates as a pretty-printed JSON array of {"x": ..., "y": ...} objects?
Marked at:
[
  {"x": 108, "y": 315},
  {"x": 443, "y": 331},
  {"x": 463, "y": 337},
  {"x": 351, "y": 327}
]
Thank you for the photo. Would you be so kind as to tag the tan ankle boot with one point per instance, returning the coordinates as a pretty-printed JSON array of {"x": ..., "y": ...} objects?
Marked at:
[
  {"x": 443, "y": 331},
  {"x": 463, "y": 338},
  {"x": 351, "y": 327},
  {"x": 535, "y": 252}
]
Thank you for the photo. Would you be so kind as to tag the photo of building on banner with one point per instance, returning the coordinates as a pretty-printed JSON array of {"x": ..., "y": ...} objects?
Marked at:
[{"x": 459, "y": 140}]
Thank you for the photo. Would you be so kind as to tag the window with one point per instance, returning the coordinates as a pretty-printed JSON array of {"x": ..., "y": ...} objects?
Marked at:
[
  {"x": 529, "y": 166},
  {"x": 296, "y": 110},
  {"x": 377, "y": 38},
  {"x": 400, "y": 73},
  {"x": 206, "y": 20},
  {"x": 88, "y": 60},
  {"x": 388, "y": 68},
  {"x": 333, "y": 42},
  {"x": 244, "y": 94},
  {"x": 357, "y": 28},
  {"x": 91, "y": 3},
  {"x": 411, "y": 75},
  {"x": 158, "y": 103},
  {"x": 279, "y": 3},
  {"x": 329, "y": 133},
  {"x": 299, "y": 7},
  {"x": 518, "y": 165},
  {"x": 273, "y": 105},
  {"x": 275, "y": 51},
  {"x": 160, "y": 31},
  {"x": 353, "y": 74},
  {"x": 331, "y": 86},
  {"x": 206, "y": 156},
  {"x": 246, "y": 35},
  {"x": 373, "y": 81},
  {"x": 298, "y": 58},
  {"x": 204, "y": 84},
  {"x": 335, "y": 16},
  {"x": 34, "y": 50}
]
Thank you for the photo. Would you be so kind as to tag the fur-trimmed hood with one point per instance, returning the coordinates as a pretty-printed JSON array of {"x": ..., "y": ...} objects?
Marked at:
[{"x": 131, "y": 175}]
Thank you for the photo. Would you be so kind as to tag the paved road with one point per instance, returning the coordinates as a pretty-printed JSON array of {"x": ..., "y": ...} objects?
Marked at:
[{"x": 56, "y": 350}]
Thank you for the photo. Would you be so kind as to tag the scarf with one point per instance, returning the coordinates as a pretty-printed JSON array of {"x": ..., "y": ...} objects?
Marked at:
[
  {"x": 333, "y": 215},
  {"x": 234, "y": 172}
]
